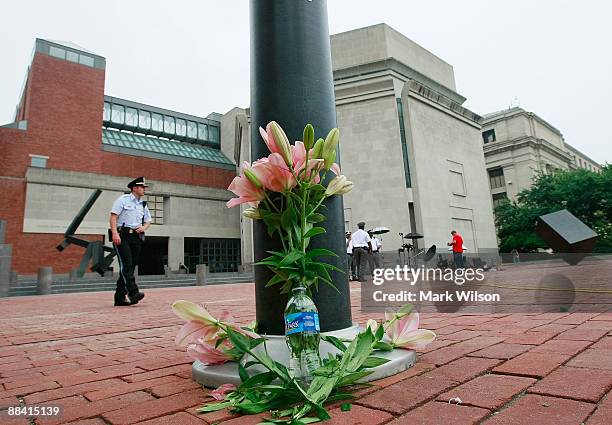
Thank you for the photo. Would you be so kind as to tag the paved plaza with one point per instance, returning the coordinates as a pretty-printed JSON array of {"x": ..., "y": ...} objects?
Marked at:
[{"x": 108, "y": 365}]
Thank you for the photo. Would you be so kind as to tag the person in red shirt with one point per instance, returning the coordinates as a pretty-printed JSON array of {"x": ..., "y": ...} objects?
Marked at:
[{"x": 457, "y": 244}]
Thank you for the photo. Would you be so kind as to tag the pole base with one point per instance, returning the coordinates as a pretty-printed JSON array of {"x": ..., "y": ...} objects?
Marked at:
[{"x": 227, "y": 373}]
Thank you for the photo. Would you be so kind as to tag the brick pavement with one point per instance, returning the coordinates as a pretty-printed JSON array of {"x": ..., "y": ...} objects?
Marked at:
[{"x": 106, "y": 365}]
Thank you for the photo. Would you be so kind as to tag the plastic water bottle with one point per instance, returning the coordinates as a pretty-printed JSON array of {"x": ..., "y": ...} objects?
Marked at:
[{"x": 302, "y": 334}]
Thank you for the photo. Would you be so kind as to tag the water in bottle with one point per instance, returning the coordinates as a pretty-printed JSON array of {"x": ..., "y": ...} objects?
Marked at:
[{"x": 302, "y": 334}]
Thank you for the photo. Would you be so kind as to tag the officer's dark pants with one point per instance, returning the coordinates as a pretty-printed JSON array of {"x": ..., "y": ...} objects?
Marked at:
[
  {"x": 360, "y": 259},
  {"x": 350, "y": 267},
  {"x": 128, "y": 254}
]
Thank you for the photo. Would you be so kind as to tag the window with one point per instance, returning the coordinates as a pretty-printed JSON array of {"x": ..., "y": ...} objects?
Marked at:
[
  {"x": 213, "y": 134},
  {"x": 489, "y": 136},
  {"x": 169, "y": 125},
  {"x": 131, "y": 117},
  {"x": 57, "y": 52},
  {"x": 156, "y": 207},
  {"x": 118, "y": 114},
  {"x": 202, "y": 132},
  {"x": 157, "y": 122},
  {"x": 72, "y": 56},
  {"x": 39, "y": 161},
  {"x": 496, "y": 178},
  {"x": 86, "y": 60},
  {"x": 192, "y": 130},
  {"x": 181, "y": 127},
  {"x": 107, "y": 112},
  {"x": 144, "y": 120},
  {"x": 499, "y": 198}
]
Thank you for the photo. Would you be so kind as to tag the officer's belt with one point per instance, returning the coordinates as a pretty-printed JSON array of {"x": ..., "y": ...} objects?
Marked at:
[{"x": 127, "y": 230}]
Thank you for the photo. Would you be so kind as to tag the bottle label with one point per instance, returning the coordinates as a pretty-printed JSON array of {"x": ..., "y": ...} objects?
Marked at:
[{"x": 301, "y": 322}]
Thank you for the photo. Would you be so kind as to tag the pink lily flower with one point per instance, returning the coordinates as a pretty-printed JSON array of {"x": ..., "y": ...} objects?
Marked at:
[
  {"x": 245, "y": 188},
  {"x": 298, "y": 155},
  {"x": 222, "y": 391},
  {"x": 194, "y": 330},
  {"x": 275, "y": 174},
  {"x": 404, "y": 333},
  {"x": 276, "y": 141},
  {"x": 206, "y": 352},
  {"x": 335, "y": 168}
]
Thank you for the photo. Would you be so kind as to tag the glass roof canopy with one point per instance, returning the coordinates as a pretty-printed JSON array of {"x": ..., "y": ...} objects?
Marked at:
[
  {"x": 149, "y": 120},
  {"x": 172, "y": 150}
]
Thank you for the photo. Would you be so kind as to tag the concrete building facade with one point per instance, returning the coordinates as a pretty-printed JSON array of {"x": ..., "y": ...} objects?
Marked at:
[
  {"x": 413, "y": 152},
  {"x": 518, "y": 145}
]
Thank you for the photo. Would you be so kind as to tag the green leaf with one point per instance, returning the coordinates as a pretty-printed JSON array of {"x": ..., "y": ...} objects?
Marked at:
[
  {"x": 250, "y": 363},
  {"x": 239, "y": 340},
  {"x": 289, "y": 217},
  {"x": 380, "y": 333},
  {"x": 255, "y": 342},
  {"x": 374, "y": 361},
  {"x": 291, "y": 258},
  {"x": 213, "y": 407},
  {"x": 314, "y": 232},
  {"x": 315, "y": 218},
  {"x": 383, "y": 346},
  {"x": 263, "y": 378},
  {"x": 334, "y": 341},
  {"x": 350, "y": 378},
  {"x": 320, "y": 252},
  {"x": 345, "y": 407},
  {"x": 242, "y": 372}
]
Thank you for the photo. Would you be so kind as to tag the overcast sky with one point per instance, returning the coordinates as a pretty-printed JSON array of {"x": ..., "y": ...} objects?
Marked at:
[{"x": 551, "y": 57}]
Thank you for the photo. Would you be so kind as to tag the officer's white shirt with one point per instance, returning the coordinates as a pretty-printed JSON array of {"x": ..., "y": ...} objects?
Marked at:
[
  {"x": 130, "y": 211},
  {"x": 349, "y": 248},
  {"x": 376, "y": 244},
  {"x": 360, "y": 239}
]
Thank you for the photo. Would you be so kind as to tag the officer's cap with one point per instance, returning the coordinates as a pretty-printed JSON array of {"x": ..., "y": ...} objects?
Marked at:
[
  {"x": 140, "y": 181},
  {"x": 361, "y": 224}
]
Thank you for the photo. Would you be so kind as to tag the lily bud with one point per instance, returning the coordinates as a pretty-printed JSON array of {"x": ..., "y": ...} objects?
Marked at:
[
  {"x": 252, "y": 178},
  {"x": 331, "y": 142},
  {"x": 252, "y": 213},
  {"x": 308, "y": 136},
  {"x": 281, "y": 140},
  {"x": 329, "y": 160},
  {"x": 318, "y": 149},
  {"x": 339, "y": 186}
]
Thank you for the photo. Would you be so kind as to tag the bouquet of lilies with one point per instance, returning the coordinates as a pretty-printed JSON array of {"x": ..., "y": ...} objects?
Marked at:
[{"x": 286, "y": 191}]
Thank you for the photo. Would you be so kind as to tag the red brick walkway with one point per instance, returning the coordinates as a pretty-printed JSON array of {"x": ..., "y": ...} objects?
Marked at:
[{"x": 119, "y": 365}]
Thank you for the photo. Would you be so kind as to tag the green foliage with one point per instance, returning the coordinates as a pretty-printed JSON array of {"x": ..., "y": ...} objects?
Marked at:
[
  {"x": 586, "y": 194},
  {"x": 276, "y": 391}
]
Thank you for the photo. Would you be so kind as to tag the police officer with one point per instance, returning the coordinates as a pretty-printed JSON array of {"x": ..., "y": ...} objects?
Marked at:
[
  {"x": 129, "y": 219},
  {"x": 362, "y": 246}
]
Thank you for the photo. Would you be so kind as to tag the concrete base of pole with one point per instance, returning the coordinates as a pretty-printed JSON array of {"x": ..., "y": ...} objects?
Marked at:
[{"x": 213, "y": 376}]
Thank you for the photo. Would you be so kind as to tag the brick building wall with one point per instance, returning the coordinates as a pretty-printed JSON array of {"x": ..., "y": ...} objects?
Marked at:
[{"x": 63, "y": 104}]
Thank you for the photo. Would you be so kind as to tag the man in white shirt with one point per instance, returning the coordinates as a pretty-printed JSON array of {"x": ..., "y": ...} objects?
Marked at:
[
  {"x": 375, "y": 259},
  {"x": 362, "y": 245}
]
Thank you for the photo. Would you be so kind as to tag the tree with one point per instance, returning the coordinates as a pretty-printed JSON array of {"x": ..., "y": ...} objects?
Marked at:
[{"x": 586, "y": 194}]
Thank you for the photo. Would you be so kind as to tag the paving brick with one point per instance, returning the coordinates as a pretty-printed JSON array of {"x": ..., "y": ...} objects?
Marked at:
[
  {"x": 157, "y": 373},
  {"x": 462, "y": 370},
  {"x": 212, "y": 417},
  {"x": 603, "y": 413},
  {"x": 442, "y": 413},
  {"x": 156, "y": 407},
  {"x": 532, "y": 364},
  {"x": 531, "y": 338},
  {"x": 535, "y": 409},
  {"x": 488, "y": 391},
  {"x": 125, "y": 388},
  {"x": 405, "y": 395},
  {"x": 579, "y": 334},
  {"x": 416, "y": 369},
  {"x": 122, "y": 403},
  {"x": 450, "y": 353},
  {"x": 562, "y": 346},
  {"x": 173, "y": 387},
  {"x": 593, "y": 358},
  {"x": 182, "y": 418},
  {"x": 40, "y": 397},
  {"x": 603, "y": 344},
  {"x": 502, "y": 351},
  {"x": 358, "y": 415},
  {"x": 575, "y": 383},
  {"x": 22, "y": 391}
]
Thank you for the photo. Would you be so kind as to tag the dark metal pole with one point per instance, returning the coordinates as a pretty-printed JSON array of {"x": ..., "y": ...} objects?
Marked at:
[{"x": 292, "y": 83}]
